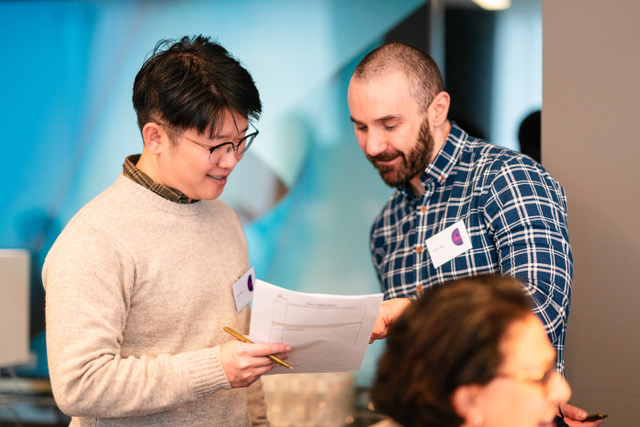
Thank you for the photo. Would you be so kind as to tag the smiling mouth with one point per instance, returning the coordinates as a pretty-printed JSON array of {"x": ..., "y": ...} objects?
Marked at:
[
  {"x": 385, "y": 157},
  {"x": 386, "y": 161},
  {"x": 387, "y": 164},
  {"x": 218, "y": 177}
]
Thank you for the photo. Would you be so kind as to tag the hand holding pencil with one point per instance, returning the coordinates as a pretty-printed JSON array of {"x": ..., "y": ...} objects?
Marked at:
[
  {"x": 242, "y": 338},
  {"x": 244, "y": 362}
]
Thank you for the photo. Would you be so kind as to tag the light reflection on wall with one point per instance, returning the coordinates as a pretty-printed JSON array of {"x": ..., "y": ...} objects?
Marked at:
[{"x": 518, "y": 69}]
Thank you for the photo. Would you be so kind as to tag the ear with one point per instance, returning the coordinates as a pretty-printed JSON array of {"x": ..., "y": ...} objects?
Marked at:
[
  {"x": 439, "y": 109},
  {"x": 154, "y": 135},
  {"x": 465, "y": 401}
]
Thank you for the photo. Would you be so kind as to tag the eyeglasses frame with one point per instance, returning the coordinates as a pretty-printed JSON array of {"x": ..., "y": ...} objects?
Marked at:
[
  {"x": 543, "y": 380},
  {"x": 235, "y": 147}
]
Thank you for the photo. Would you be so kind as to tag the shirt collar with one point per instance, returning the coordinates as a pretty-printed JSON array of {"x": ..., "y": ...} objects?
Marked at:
[{"x": 130, "y": 170}]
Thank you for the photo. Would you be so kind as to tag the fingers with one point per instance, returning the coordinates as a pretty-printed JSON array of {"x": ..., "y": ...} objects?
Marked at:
[
  {"x": 572, "y": 412},
  {"x": 573, "y": 416},
  {"x": 573, "y": 423},
  {"x": 390, "y": 310},
  {"x": 244, "y": 363},
  {"x": 266, "y": 349},
  {"x": 282, "y": 356},
  {"x": 379, "y": 329}
]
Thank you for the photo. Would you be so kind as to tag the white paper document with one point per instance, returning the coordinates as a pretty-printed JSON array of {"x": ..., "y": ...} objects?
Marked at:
[{"x": 327, "y": 333}]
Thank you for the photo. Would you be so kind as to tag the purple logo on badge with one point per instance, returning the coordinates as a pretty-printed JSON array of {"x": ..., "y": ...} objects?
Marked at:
[
  {"x": 456, "y": 238},
  {"x": 250, "y": 284}
]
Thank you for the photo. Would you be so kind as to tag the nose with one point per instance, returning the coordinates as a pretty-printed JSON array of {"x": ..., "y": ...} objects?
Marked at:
[
  {"x": 560, "y": 390},
  {"x": 231, "y": 160},
  {"x": 373, "y": 143}
]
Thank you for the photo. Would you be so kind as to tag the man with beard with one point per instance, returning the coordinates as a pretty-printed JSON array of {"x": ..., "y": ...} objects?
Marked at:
[{"x": 463, "y": 207}]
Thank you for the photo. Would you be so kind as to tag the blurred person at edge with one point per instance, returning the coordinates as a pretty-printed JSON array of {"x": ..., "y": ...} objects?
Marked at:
[
  {"x": 509, "y": 213},
  {"x": 139, "y": 283},
  {"x": 470, "y": 353}
]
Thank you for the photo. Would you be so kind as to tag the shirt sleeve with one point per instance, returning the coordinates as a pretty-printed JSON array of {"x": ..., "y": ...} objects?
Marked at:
[{"x": 526, "y": 211}]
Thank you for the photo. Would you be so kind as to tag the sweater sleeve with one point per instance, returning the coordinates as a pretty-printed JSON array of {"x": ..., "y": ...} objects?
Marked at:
[{"x": 88, "y": 279}]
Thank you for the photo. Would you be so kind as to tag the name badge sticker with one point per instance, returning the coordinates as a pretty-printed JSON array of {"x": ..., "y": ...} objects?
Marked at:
[
  {"x": 243, "y": 289},
  {"x": 448, "y": 244}
]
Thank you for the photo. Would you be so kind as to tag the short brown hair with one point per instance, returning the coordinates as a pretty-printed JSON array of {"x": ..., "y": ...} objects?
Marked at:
[
  {"x": 420, "y": 69},
  {"x": 448, "y": 337}
]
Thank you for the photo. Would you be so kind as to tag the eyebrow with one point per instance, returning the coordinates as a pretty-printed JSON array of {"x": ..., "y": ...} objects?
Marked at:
[
  {"x": 228, "y": 136},
  {"x": 381, "y": 119},
  {"x": 548, "y": 366}
]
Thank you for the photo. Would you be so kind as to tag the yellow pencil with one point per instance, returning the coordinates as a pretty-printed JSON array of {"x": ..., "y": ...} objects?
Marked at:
[{"x": 247, "y": 340}]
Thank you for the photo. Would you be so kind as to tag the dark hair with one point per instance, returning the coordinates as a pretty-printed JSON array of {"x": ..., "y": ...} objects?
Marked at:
[
  {"x": 529, "y": 135},
  {"x": 425, "y": 80},
  {"x": 192, "y": 83},
  {"x": 448, "y": 337}
]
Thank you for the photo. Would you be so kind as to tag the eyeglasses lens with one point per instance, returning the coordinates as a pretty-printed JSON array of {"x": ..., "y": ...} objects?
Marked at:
[{"x": 221, "y": 152}]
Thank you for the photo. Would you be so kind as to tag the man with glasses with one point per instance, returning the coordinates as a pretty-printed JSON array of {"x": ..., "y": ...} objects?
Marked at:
[
  {"x": 463, "y": 207},
  {"x": 139, "y": 283}
]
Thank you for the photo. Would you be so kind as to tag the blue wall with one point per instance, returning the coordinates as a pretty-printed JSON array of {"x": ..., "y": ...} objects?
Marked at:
[{"x": 67, "y": 123}]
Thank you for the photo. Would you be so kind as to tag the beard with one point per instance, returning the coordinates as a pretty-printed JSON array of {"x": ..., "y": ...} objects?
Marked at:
[{"x": 413, "y": 163}]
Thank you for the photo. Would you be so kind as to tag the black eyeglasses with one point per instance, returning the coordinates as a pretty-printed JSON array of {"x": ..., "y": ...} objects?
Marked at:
[
  {"x": 220, "y": 152},
  {"x": 542, "y": 379}
]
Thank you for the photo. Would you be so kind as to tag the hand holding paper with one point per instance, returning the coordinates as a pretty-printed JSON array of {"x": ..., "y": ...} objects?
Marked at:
[
  {"x": 327, "y": 333},
  {"x": 244, "y": 363},
  {"x": 389, "y": 311},
  {"x": 242, "y": 338}
]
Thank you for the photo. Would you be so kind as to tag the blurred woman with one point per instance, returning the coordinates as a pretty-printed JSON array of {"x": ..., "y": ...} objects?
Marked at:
[{"x": 470, "y": 353}]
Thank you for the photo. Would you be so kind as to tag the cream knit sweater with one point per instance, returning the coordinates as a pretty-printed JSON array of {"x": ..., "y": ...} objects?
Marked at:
[{"x": 138, "y": 289}]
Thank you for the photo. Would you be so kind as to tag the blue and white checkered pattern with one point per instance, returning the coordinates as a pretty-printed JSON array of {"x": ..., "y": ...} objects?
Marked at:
[{"x": 514, "y": 211}]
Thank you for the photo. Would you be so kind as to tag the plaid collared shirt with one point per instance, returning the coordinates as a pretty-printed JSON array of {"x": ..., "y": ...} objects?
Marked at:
[
  {"x": 136, "y": 175},
  {"x": 514, "y": 212}
]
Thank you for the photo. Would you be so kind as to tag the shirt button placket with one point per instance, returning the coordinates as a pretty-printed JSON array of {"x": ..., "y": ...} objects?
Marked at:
[{"x": 419, "y": 250}]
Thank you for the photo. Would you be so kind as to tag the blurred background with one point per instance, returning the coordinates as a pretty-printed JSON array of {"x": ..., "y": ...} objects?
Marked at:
[{"x": 305, "y": 193}]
